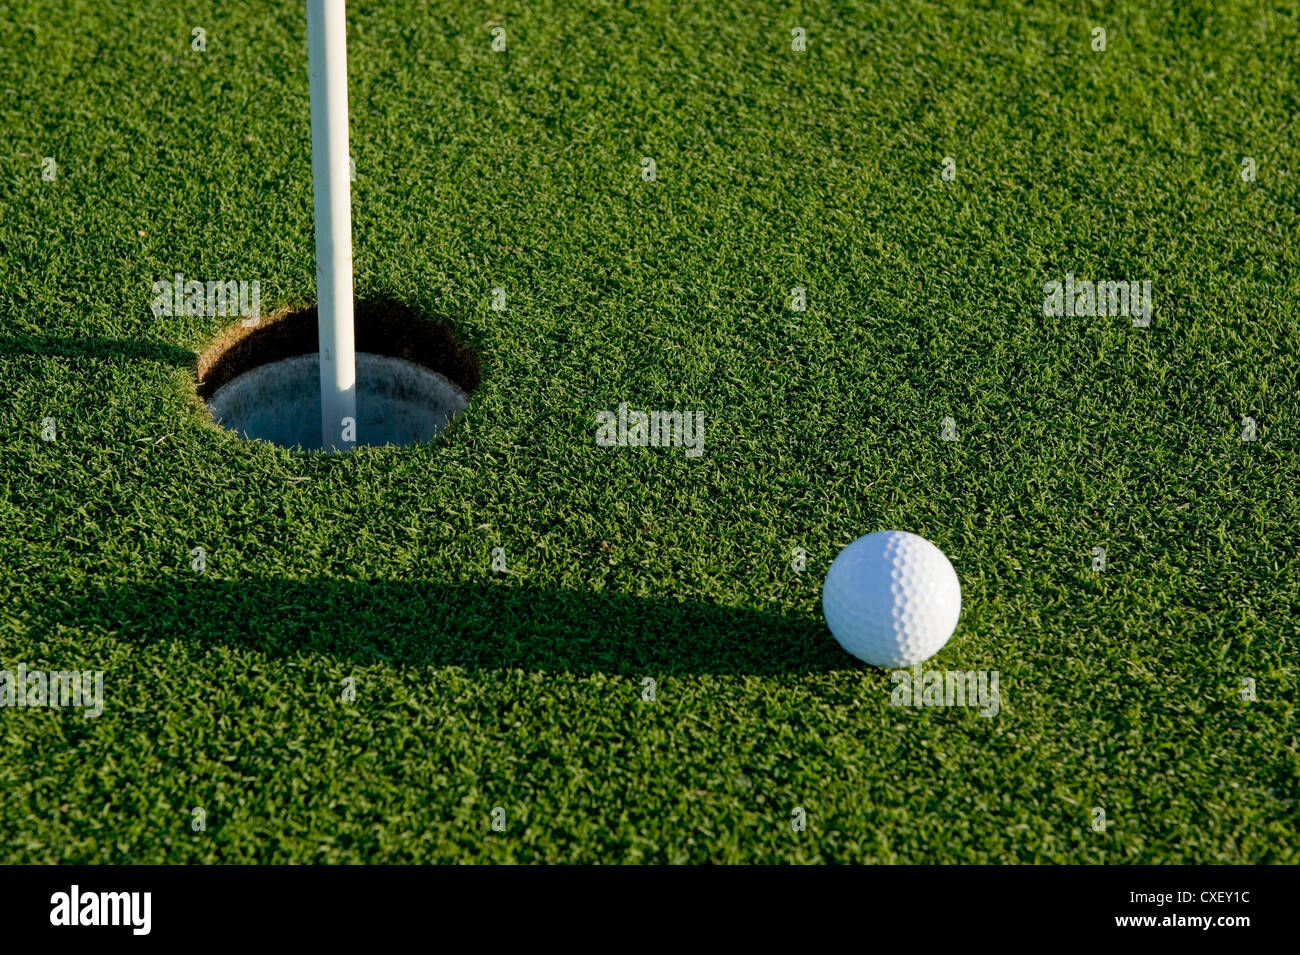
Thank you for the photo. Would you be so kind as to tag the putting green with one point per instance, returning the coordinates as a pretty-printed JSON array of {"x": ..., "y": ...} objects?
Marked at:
[{"x": 607, "y": 649}]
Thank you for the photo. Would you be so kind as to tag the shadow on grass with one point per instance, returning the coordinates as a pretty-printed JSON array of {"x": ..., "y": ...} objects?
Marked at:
[
  {"x": 99, "y": 349},
  {"x": 472, "y": 625}
]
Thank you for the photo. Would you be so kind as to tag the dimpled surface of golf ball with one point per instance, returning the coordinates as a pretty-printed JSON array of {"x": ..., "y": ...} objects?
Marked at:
[{"x": 891, "y": 599}]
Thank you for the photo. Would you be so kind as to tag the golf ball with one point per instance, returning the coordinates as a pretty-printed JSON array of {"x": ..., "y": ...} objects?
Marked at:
[{"x": 891, "y": 599}]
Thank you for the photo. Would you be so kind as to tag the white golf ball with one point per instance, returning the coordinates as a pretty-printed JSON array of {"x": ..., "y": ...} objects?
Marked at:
[{"x": 891, "y": 599}]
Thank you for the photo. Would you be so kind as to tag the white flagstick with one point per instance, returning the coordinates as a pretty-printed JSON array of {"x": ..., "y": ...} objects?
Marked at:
[{"x": 327, "y": 71}]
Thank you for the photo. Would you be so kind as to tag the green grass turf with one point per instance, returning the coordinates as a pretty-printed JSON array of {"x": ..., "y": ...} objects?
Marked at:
[{"x": 775, "y": 169}]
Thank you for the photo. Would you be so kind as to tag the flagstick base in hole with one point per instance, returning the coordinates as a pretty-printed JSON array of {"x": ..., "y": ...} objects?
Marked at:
[{"x": 414, "y": 377}]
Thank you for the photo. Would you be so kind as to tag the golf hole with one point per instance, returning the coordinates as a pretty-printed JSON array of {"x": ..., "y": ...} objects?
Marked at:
[{"x": 413, "y": 377}]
